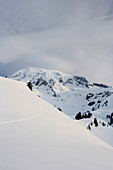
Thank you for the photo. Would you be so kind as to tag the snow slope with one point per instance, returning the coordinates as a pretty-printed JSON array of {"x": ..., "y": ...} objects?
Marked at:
[
  {"x": 73, "y": 94},
  {"x": 34, "y": 135}
]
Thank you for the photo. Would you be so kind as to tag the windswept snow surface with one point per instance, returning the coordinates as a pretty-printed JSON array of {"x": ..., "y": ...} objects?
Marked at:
[{"x": 44, "y": 138}]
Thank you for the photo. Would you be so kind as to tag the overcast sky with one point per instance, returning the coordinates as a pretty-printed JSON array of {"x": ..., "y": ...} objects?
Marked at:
[{"x": 68, "y": 35}]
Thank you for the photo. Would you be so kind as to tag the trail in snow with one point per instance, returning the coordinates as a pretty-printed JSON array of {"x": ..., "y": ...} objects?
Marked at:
[{"x": 20, "y": 120}]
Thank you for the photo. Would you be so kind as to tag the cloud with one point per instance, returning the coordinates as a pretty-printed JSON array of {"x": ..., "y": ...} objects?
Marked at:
[
  {"x": 80, "y": 43},
  {"x": 26, "y": 16}
]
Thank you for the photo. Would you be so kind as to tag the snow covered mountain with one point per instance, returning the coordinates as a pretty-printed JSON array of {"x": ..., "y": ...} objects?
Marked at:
[
  {"x": 35, "y": 135},
  {"x": 74, "y": 96}
]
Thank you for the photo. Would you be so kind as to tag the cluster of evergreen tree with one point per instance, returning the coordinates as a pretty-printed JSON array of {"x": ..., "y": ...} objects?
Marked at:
[
  {"x": 85, "y": 115},
  {"x": 95, "y": 122}
]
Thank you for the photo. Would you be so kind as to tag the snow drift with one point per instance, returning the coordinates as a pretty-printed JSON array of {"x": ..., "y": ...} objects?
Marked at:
[{"x": 34, "y": 135}]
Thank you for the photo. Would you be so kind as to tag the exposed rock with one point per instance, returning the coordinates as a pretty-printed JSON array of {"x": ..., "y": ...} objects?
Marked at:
[
  {"x": 91, "y": 103},
  {"x": 100, "y": 85},
  {"x": 89, "y": 96}
]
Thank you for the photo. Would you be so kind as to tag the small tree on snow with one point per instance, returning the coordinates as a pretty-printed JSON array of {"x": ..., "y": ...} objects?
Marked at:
[
  {"x": 29, "y": 84},
  {"x": 78, "y": 116},
  {"x": 95, "y": 122}
]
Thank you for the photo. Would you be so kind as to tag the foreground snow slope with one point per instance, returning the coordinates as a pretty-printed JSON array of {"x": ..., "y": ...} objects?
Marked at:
[{"x": 34, "y": 135}]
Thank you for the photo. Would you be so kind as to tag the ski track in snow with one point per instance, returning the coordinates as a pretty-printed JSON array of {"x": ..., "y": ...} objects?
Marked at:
[{"x": 20, "y": 120}]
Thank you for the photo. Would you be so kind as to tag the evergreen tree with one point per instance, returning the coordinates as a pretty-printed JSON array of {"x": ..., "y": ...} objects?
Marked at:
[
  {"x": 78, "y": 116},
  {"x": 29, "y": 84},
  {"x": 95, "y": 122},
  {"x": 111, "y": 119}
]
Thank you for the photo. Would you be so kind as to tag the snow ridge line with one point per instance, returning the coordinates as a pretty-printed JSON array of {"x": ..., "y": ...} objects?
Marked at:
[{"x": 20, "y": 120}]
